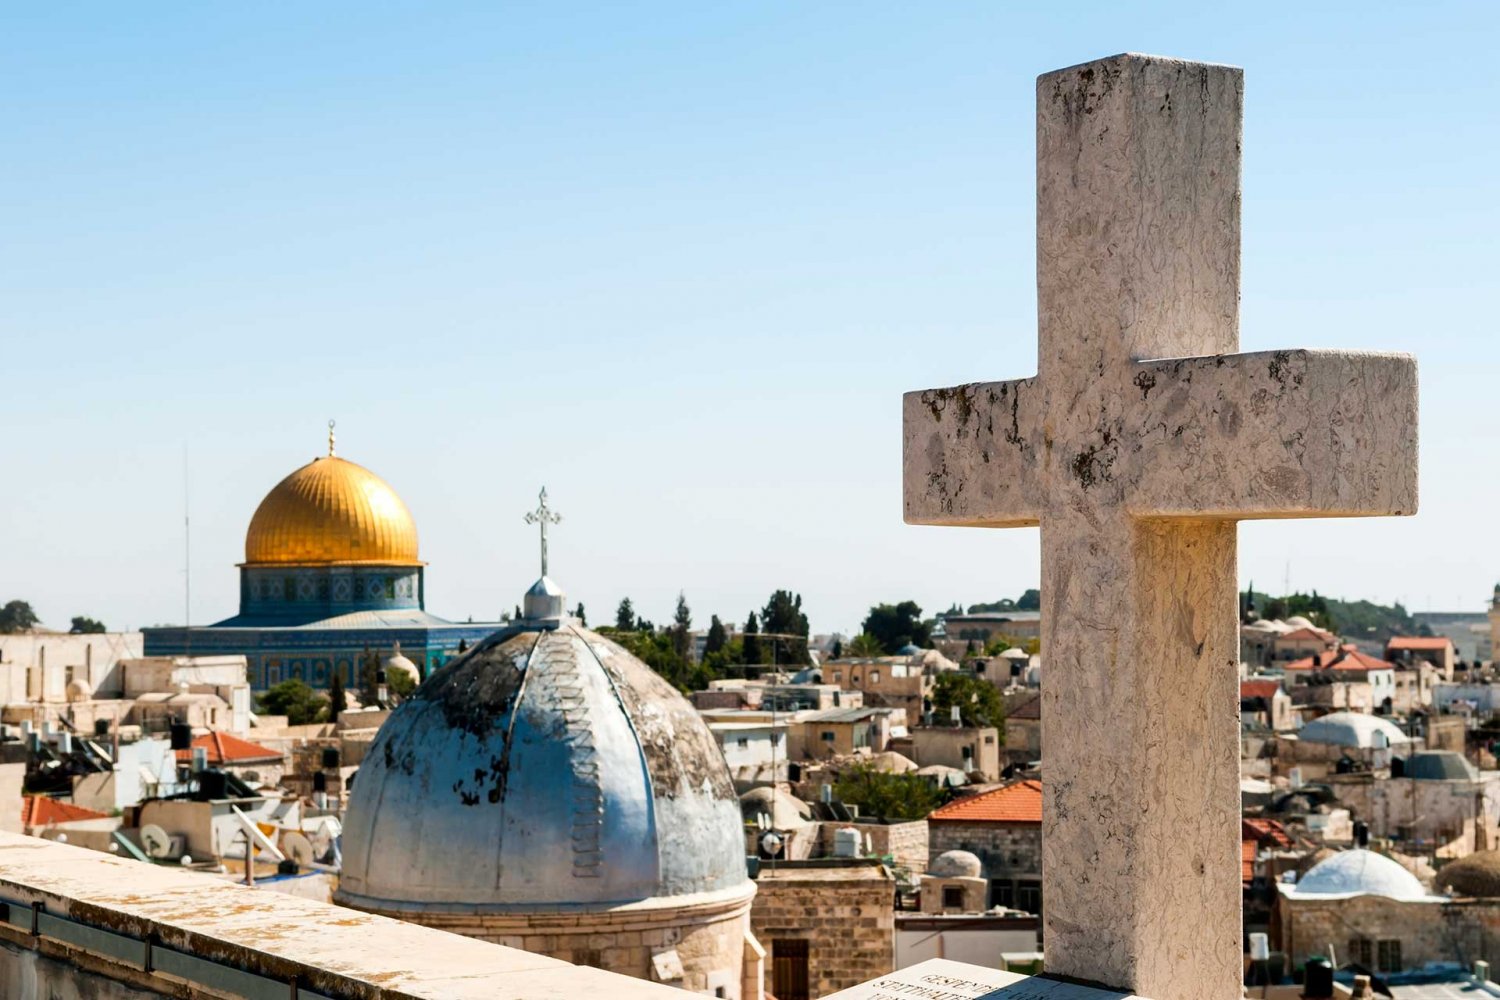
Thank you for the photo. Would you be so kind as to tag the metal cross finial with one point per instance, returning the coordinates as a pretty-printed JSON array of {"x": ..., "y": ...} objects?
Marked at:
[
  {"x": 543, "y": 516},
  {"x": 330, "y": 439}
]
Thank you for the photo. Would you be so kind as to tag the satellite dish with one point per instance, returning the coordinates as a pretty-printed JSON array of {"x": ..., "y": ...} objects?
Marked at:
[
  {"x": 156, "y": 841},
  {"x": 256, "y": 837},
  {"x": 297, "y": 847},
  {"x": 771, "y": 844}
]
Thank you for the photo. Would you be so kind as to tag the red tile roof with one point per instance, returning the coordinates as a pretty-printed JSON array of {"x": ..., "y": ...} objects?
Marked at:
[
  {"x": 1248, "y": 849},
  {"x": 1346, "y": 657},
  {"x": 1425, "y": 643},
  {"x": 39, "y": 810},
  {"x": 1266, "y": 831},
  {"x": 225, "y": 748},
  {"x": 1306, "y": 633},
  {"x": 1018, "y": 803},
  {"x": 1259, "y": 688}
]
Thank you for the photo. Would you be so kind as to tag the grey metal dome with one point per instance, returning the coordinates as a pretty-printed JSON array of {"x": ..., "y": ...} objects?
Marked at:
[
  {"x": 1440, "y": 765},
  {"x": 545, "y": 768}
]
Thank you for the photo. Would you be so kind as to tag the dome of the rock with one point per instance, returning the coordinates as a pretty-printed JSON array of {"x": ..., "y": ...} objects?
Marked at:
[{"x": 332, "y": 511}]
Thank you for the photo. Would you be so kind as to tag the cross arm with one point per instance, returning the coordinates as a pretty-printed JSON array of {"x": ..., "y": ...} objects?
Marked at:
[
  {"x": 1276, "y": 434},
  {"x": 971, "y": 454}
]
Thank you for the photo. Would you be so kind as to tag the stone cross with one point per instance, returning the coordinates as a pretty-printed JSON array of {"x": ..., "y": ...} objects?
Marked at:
[
  {"x": 543, "y": 515},
  {"x": 1137, "y": 447}
]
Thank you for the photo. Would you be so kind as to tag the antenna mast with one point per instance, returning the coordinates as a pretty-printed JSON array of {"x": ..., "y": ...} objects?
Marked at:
[{"x": 187, "y": 557}]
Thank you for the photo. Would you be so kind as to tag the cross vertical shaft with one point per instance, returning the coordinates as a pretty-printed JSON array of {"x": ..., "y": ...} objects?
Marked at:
[{"x": 1138, "y": 168}]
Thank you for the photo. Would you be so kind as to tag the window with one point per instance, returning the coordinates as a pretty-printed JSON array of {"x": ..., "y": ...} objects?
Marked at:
[
  {"x": 827, "y": 736},
  {"x": 1360, "y": 950},
  {"x": 742, "y": 742},
  {"x": 838, "y": 676},
  {"x": 1389, "y": 955},
  {"x": 989, "y": 740},
  {"x": 1002, "y": 894},
  {"x": 953, "y": 897},
  {"x": 874, "y": 676}
]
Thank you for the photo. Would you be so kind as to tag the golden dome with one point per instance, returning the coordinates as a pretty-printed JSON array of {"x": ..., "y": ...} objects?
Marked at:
[{"x": 332, "y": 511}]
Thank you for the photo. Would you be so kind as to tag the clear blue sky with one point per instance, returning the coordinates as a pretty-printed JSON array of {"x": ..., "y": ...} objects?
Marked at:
[{"x": 678, "y": 262}]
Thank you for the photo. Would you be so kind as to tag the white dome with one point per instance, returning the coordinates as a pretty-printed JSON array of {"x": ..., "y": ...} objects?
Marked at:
[
  {"x": 1298, "y": 621},
  {"x": 397, "y": 663},
  {"x": 956, "y": 864},
  {"x": 1350, "y": 729},
  {"x": 1358, "y": 873},
  {"x": 544, "y": 768}
]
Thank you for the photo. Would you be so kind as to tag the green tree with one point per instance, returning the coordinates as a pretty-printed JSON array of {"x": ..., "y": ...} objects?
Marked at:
[
  {"x": 897, "y": 625},
  {"x": 1030, "y": 601},
  {"x": 400, "y": 685},
  {"x": 17, "y": 616},
  {"x": 716, "y": 638},
  {"x": 625, "y": 615},
  {"x": 865, "y": 644},
  {"x": 837, "y": 651},
  {"x": 682, "y": 624},
  {"x": 1000, "y": 642},
  {"x": 751, "y": 641},
  {"x": 337, "y": 700},
  {"x": 295, "y": 700},
  {"x": 83, "y": 625},
  {"x": 979, "y": 703},
  {"x": 887, "y": 796},
  {"x": 783, "y": 615}
]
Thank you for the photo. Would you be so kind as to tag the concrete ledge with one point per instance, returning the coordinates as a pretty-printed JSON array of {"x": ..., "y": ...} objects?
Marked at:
[{"x": 185, "y": 934}]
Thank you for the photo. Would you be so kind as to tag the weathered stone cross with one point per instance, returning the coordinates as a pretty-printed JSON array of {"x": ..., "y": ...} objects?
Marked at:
[{"x": 1137, "y": 447}]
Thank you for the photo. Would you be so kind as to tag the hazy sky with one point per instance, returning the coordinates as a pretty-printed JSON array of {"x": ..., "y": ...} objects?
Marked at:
[{"x": 678, "y": 263}]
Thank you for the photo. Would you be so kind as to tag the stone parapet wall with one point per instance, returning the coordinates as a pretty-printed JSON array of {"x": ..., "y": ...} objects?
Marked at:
[
  {"x": 905, "y": 843},
  {"x": 83, "y": 924}
]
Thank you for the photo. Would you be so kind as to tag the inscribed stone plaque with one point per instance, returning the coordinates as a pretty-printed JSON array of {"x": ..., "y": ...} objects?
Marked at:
[{"x": 941, "y": 979}]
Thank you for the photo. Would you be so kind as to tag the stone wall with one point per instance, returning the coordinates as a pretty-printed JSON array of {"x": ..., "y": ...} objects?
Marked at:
[
  {"x": 109, "y": 928},
  {"x": 846, "y": 915},
  {"x": 1007, "y": 850},
  {"x": 1462, "y": 931},
  {"x": 707, "y": 933},
  {"x": 905, "y": 843}
]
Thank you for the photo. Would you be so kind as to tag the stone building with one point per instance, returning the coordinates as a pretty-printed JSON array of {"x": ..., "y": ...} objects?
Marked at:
[
  {"x": 825, "y": 926},
  {"x": 954, "y": 883},
  {"x": 1263, "y": 702},
  {"x": 1433, "y": 802},
  {"x": 839, "y": 732},
  {"x": 549, "y": 791},
  {"x": 1437, "y": 650},
  {"x": 1003, "y": 828},
  {"x": 1368, "y": 906},
  {"x": 968, "y": 748},
  {"x": 1023, "y": 731},
  {"x": 903, "y": 682},
  {"x": 38, "y": 666},
  {"x": 1318, "y": 746}
]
